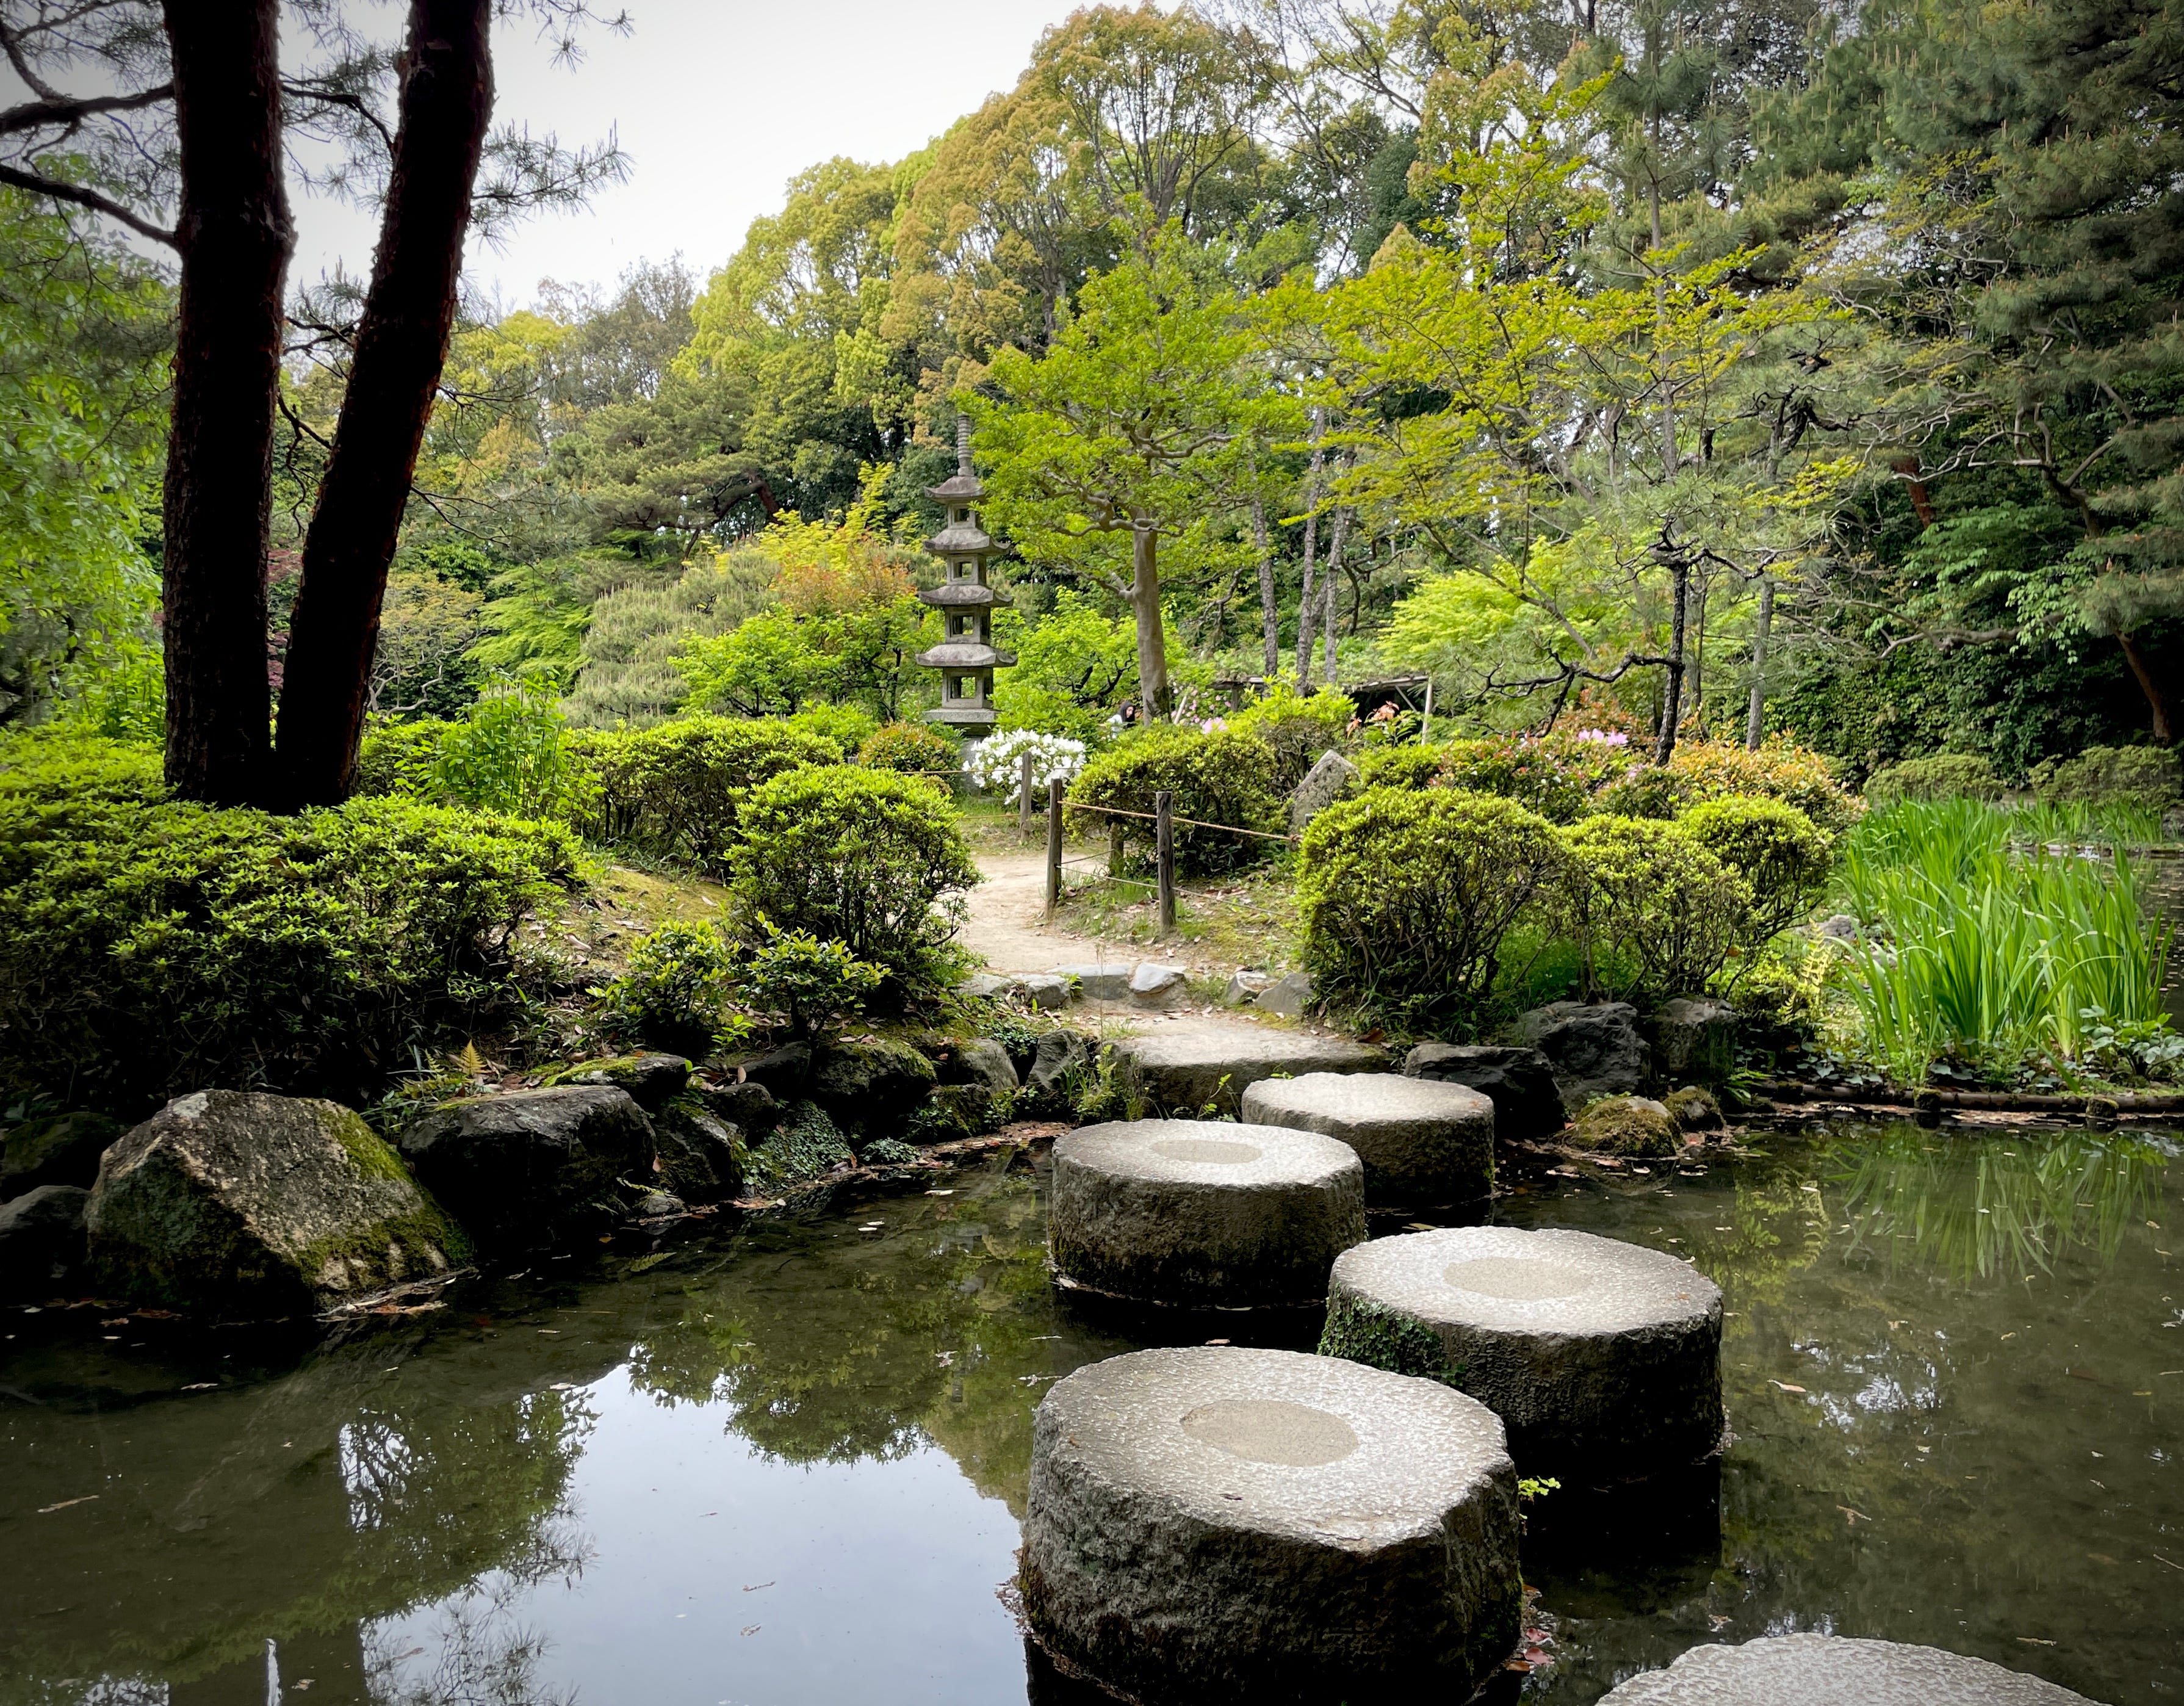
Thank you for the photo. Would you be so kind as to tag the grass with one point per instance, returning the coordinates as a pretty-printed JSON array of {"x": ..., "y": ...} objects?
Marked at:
[
  {"x": 1244, "y": 918},
  {"x": 2001, "y": 936}
]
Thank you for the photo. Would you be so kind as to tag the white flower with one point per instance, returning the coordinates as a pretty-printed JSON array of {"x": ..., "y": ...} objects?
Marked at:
[{"x": 997, "y": 768}]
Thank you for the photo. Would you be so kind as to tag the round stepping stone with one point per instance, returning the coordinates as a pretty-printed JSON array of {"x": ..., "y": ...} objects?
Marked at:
[
  {"x": 1807, "y": 1669},
  {"x": 1218, "y": 1524},
  {"x": 1421, "y": 1142},
  {"x": 1182, "y": 1070},
  {"x": 1202, "y": 1214},
  {"x": 1602, "y": 1357}
]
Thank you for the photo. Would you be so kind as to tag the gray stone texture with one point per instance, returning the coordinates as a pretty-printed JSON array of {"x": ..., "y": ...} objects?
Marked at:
[
  {"x": 263, "y": 1205},
  {"x": 1202, "y": 1214},
  {"x": 60, "y": 1149},
  {"x": 1047, "y": 993},
  {"x": 698, "y": 1154},
  {"x": 1221, "y": 1524},
  {"x": 1835, "y": 1670},
  {"x": 982, "y": 1061},
  {"x": 751, "y": 1108},
  {"x": 1594, "y": 1049},
  {"x": 1422, "y": 1144},
  {"x": 1098, "y": 982},
  {"x": 1185, "y": 1071},
  {"x": 1288, "y": 997},
  {"x": 1245, "y": 987},
  {"x": 1694, "y": 1041},
  {"x": 41, "y": 1239},
  {"x": 1154, "y": 984},
  {"x": 1527, "y": 1106},
  {"x": 786, "y": 1071},
  {"x": 1057, "y": 1055},
  {"x": 1602, "y": 1357},
  {"x": 522, "y": 1170},
  {"x": 1627, "y": 1125},
  {"x": 653, "y": 1080},
  {"x": 984, "y": 986},
  {"x": 1325, "y": 784},
  {"x": 870, "y": 1086}
]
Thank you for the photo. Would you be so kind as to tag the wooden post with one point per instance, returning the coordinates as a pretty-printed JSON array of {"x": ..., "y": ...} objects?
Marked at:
[
  {"x": 1114, "y": 847},
  {"x": 1053, "y": 845},
  {"x": 1164, "y": 858},
  {"x": 1023, "y": 797}
]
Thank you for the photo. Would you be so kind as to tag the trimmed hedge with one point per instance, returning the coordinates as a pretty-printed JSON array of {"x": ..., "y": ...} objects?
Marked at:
[
  {"x": 1775, "y": 848},
  {"x": 675, "y": 790},
  {"x": 1945, "y": 776},
  {"x": 1218, "y": 777},
  {"x": 1653, "y": 912}
]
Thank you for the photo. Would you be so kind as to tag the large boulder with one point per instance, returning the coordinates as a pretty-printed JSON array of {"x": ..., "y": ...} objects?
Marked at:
[
  {"x": 1325, "y": 784},
  {"x": 751, "y": 1108},
  {"x": 41, "y": 1239},
  {"x": 871, "y": 1086},
  {"x": 1056, "y": 1055},
  {"x": 785, "y": 1071},
  {"x": 1518, "y": 1082},
  {"x": 1693, "y": 1042},
  {"x": 1594, "y": 1049},
  {"x": 60, "y": 1149},
  {"x": 522, "y": 1170},
  {"x": 984, "y": 1063},
  {"x": 700, "y": 1157},
  {"x": 262, "y": 1205}
]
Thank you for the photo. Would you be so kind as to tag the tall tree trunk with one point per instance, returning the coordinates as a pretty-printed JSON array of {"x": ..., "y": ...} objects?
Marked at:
[
  {"x": 1270, "y": 609},
  {"x": 1672, "y": 700},
  {"x": 1154, "y": 697},
  {"x": 1755, "y": 723},
  {"x": 1330, "y": 586},
  {"x": 2150, "y": 684},
  {"x": 402, "y": 344},
  {"x": 235, "y": 235},
  {"x": 1307, "y": 610},
  {"x": 1695, "y": 660}
]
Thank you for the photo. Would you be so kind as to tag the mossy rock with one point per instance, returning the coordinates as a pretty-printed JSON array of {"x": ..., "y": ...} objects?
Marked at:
[
  {"x": 1626, "y": 1125},
  {"x": 261, "y": 1205},
  {"x": 652, "y": 1080},
  {"x": 871, "y": 1086},
  {"x": 1359, "y": 1330},
  {"x": 702, "y": 1159},
  {"x": 60, "y": 1149},
  {"x": 1693, "y": 1109}
]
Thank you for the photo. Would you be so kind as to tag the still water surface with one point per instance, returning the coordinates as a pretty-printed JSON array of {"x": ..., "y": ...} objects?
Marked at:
[{"x": 787, "y": 1468}]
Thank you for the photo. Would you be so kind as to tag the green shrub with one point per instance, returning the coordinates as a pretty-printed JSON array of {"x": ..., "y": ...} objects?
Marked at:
[
  {"x": 511, "y": 753},
  {"x": 673, "y": 995},
  {"x": 848, "y": 726},
  {"x": 1220, "y": 777},
  {"x": 1654, "y": 912},
  {"x": 149, "y": 946},
  {"x": 913, "y": 747},
  {"x": 1774, "y": 847},
  {"x": 1779, "y": 769},
  {"x": 398, "y": 758},
  {"x": 1945, "y": 776},
  {"x": 674, "y": 789},
  {"x": 1406, "y": 897},
  {"x": 802, "y": 980},
  {"x": 2144, "y": 776},
  {"x": 867, "y": 858},
  {"x": 1296, "y": 729},
  {"x": 1402, "y": 766},
  {"x": 1650, "y": 790},
  {"x": 1555, "y": 777}
]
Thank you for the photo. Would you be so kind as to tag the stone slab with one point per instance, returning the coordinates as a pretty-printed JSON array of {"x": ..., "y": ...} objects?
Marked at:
[
  {"x": 1215, "y": 1523},
  {"x": 1423, "y": 1143},
  {"x": 1188, "y": 1070},
  {"x": 1603, "y": 1358},
  {"x": 1202, "y": 1214},
  {"x": 1047, "y": 993},
  {"x": 1288, "y": 997},
  {"x": 1833, "y": 1670},
  {"x": 1098, "y": 982},
  {"x": 1156, "y": 985}
]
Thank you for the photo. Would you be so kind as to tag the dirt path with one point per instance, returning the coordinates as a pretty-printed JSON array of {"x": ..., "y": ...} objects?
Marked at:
[{"x": 1007, "y": 927}]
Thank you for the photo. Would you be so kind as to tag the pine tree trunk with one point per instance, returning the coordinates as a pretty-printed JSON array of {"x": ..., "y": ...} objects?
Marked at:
[
  {"x": 402, "y": 344},
  {"x": 1308, "y": 609},
  {"x": 1755, "y": 725},
  {"x": 1154, "y": 698},
  {"x": 1270, "y": 609},
  {"x": 1672, "y": 699},
  {"x": 1336, "y": 537},
  {"x": 235, "y": 236},
  {"x": 2157, "y": 698}
]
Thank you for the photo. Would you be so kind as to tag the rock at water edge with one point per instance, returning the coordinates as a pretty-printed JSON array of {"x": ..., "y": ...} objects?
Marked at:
[
  {"x": 60, "y": 1149},
  {"x": 523, "y": 1170},
  {"x": 41, "y": 1239},
  {"x": 1627, "y": 1125},
  {"x": 1527, "y": 1106},
  {"x": 1594, "y": 1049},
  {"x": 264, "y": 1205},
  {"x": 1695, "y": 1042}
]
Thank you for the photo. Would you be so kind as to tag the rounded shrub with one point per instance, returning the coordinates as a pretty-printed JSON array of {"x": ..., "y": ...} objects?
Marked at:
[
  {"x": 1297, "y": 729},
  {"x": 1652, "y": 911},
  {"x": 674, "y": 789},
  {"x": 2144, "y": 776},
  {"x": 1774, "y": 847},
  {"x": 803, "y": 982},
  {"x": 866, "y": 858},
  {"x": 848, "y": 726},
  {"x": 1218, "y": 777},
  {"x": 1406, "y": 896},
  {"x": 913, "y": 747},
  {"x": 1402, "y": 766},
  {"x": 1944, "y": 775},
  {"x": 1555, "y": 777},
  {"x": 997, "y": 765},
  {"x": 674, "y": 992},
  {"x": 1779, "y": 769},
  {"x": 399, "y": 757}
]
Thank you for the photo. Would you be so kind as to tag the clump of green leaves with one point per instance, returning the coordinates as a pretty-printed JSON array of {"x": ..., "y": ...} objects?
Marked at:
[
  {"x": 911, "y": 748},
  {"x": 1944, "y": 775},
  {"x": 801, "y": 980},
  {"x": 511, "y": 753},
  {"x": 675, "y": 790},
  {"x": 1216, "y": 777},
  {"x": 1653, "y": 912},
  {"x": 673, "y": 994},
  {"x": 1774, "y": 847}
]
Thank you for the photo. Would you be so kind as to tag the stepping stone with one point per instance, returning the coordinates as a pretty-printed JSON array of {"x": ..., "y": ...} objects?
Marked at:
[
  {"x": 1603, "y": 1358},
  {"x": 1047, "y": 993},
  {"x": 1098, "y": 982},
  {"x": 1186, "y": 1071},
  {"x": 1202, "y": 1214},
  {"x": 1806, "y": 1670},
  {"x": 1155, "y": 985},
  {"x": 1423, "y": 1143},
  {"x": 1221, "y": 1524}
]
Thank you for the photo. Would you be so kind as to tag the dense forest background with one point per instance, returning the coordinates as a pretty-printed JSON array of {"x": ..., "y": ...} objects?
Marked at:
[{"x": 1831, "y": 352}]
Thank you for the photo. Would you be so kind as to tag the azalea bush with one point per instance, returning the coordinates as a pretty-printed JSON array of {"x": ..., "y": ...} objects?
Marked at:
[
  {"x": 673, "y": 994},
  {"x": 997, "y": 765},
  {"x": 915, "y": 748},
  {"x": 1774, "y": 847},
  {"x": 675, "y": 790},
  {"x": 1654, "y": 913},
  {"x": 1215, "y": 777},
  {"x": 804, "y": 982}
]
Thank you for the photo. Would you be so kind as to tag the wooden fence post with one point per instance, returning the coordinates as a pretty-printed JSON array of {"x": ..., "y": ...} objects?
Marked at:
[
  {"x": 1164, "y": 858},
  {"x": 1024, "y": 797},
  {"x": 1053, "y": 845}
]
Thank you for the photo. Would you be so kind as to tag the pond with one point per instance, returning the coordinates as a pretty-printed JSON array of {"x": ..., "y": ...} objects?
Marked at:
[{"x": 788, "y": 1466}]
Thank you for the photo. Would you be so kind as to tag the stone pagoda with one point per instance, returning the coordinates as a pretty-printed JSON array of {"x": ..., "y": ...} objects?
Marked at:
[{"x": 965, "y": 657}]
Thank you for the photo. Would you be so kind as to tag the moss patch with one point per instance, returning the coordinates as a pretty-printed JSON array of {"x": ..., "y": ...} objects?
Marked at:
[
  {"x": 1362, "y": 1331},
  {"x": 806, "y": 1144}
]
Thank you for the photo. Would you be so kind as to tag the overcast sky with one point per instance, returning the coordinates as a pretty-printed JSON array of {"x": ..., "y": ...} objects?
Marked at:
[{"x": 718, "y": 102}]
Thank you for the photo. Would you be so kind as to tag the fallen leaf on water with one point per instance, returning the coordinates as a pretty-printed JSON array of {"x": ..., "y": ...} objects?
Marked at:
[
  {"x": 1784, "y": 1386},
  {"x": 48, "y": 1510},
  {"x": 1851, "y": 1519},
  {"x": 754, "y": 1587},
  {"x": 2035, "y": 1640},
  {"x": 201, "y": 1386},
  {"x": 752, "y": 1627}
]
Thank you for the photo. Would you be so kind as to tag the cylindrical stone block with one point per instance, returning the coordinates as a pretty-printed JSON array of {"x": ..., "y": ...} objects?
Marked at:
[
  {"x": 1799, "y": 1669},
  {"x": 1202, "y": 1214},
  {"x": 1603, "y": 1358},
  {"x": 1422, "y": 1143},
  {"x": 1221, "y": 1524}
]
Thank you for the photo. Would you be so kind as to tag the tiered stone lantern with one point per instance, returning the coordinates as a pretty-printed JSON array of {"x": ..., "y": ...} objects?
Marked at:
[{"x": 966, "y": 657}]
